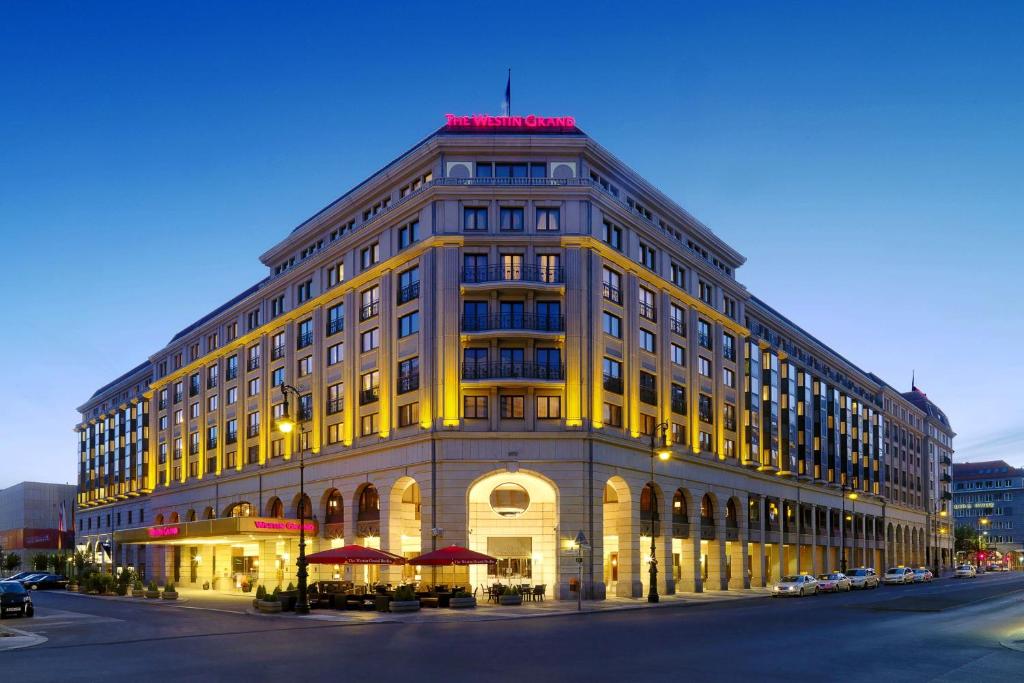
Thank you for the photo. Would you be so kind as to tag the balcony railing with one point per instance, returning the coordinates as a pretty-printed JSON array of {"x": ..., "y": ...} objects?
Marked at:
[
  {"x": 649, "y": 396},
  {"x": 946, "y": 460},
  {"x": 304, "y": 340},
  {"x": 211, "y": 383},
  {"x": 369, "y": 310},
  {"x": 945, "y": 478},
  {"x": 277, "y": 352},
  {"x": 177, "y": 397},
  {"x": 680, "y": 529},
  {"x": 253, "y": 430},
  {"x": 704, "y": 340},
  {"x": 335, "y": 325},
  {"x": 369, "y": 395},
  {"x": 230, "y": 438},
  {"x": 211, "y": 442},
  {"x": 232, "y": 373},
  {"x": 193, "y": 390},
  {"x": 677, "y": 326},
  {"x": 679, "y": 407},
  {"x": 612, "y": 293},
  {"x": 506, "y": 273},
  {"x": 335, "y": 405},
  {"x": 707, "y": 531},
  {"x": 408, "y": 293},
  {"x": 407, "y": 383},
  {"x": 513, "y": 370},
  {"x": 613, "y": 384},
  {"x": 253, "y": 363},
  {"x": 513, "y": 321},
  {"x": 729, "y": 353},
  {"x": 648, "y": 311},
  {"x": 162, "y": 405},
  {"x": 305, "y": 413}
]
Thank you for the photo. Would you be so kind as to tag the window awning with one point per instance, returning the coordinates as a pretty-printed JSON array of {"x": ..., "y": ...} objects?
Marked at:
[{"x": 207, "y": 531}]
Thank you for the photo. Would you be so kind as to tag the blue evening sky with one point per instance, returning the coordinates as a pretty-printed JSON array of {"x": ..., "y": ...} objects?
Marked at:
[{"x": 865, "y": 158}]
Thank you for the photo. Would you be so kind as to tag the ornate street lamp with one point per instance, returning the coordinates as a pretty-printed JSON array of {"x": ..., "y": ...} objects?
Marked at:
[
  {"x": 662, "y": 453},
  {"x": 287, "y": 425}
]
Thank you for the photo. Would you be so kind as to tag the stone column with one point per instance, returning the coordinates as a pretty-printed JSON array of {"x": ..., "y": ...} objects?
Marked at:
[{"x": 692, "y": 581}]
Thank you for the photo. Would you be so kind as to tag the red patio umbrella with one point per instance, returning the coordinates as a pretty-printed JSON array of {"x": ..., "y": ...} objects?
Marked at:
[
  {"x": 354, "y": 554},
  {"x": 452, "y": 555}
]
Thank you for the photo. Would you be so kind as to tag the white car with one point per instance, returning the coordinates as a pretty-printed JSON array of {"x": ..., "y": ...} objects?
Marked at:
[
  {"x": 836, "y": 582},
  {"x": 863, "y": 577},
  {"x": 795, "y": 586},
  {"x": 898, "y": 575},
  {"x": 922, "y": 575},
  {"x": 966, "y": 571}
]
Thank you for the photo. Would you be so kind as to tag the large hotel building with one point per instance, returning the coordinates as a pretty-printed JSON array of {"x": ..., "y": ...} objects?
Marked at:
[{"x": 490, "y": 337}]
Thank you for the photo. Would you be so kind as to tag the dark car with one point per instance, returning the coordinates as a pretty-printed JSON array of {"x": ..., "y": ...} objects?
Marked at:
[
  {"x": 14, "y": 599},
  {"x": 44, "y": 581},
  {"x": 19, "y": 576}
]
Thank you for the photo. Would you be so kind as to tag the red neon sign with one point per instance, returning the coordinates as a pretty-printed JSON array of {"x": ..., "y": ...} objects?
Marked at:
[
  {"x": 283, "y": 526},
  {"x": 158, "y": 532},
  {"x": 529, "y": 122}
]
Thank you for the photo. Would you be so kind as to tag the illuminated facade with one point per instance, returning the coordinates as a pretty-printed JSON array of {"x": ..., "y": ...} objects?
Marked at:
[{"x": 485, "y": 335}]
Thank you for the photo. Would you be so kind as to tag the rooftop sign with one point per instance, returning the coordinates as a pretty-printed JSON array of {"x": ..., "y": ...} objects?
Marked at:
[{"x": 531, "y": 122}]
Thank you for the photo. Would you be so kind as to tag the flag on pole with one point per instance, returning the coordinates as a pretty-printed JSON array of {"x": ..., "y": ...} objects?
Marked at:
[
  {"x": 507, "y": 106},
  {"x": 60, "y": 526}
]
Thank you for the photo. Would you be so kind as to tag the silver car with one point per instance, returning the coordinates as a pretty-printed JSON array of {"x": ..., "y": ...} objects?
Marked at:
[
  {"x": 863, "y": 577},
  {"x": 898, "y": 575},
  {"x": 836, "y": 582},
  {"x": 797, "y": 585}
]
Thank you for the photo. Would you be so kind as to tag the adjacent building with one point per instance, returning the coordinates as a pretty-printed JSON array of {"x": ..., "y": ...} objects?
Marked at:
[
  {"x": 35, "y": 517},
  {"x": 988, "y": 496},
  {"x": 487, "y": 340}
]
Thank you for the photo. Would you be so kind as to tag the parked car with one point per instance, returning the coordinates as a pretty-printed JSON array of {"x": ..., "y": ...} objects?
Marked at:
[
  {"x": 14, "y": 599},
  {"x": 836, "y": 582},
  {"x": 19, "y": 576},
  {"x": 44, "y": 581},
  {"x": 863, "y": 577},
  {"x": 965, "y": 571},
  {"x": 995, "y": 567},
  {"x": 898, "y": 575},
  {"x": 922, "y": 575},
  {"x": 796, "y": 585}
]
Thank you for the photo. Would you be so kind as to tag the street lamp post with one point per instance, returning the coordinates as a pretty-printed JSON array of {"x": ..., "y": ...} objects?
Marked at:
[
  {"x": 287, "y": 425},
  {"x": 982, "y": 544},
  {"x": 661, "y": 453},
  {"x": 842, "y": 526},
  {"x": 935, "y": 537}
]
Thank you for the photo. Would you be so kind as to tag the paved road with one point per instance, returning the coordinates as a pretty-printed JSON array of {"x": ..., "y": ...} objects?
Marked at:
[{"x": 947, "y": 631}]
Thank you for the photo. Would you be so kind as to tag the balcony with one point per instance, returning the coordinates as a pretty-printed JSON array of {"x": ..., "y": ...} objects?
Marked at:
[
  {"x": 945, "y": 478},
  {"x": 231, "y": 373},
  {"x": 648, "y": 311},
  {"x": 649, "y": 395},
  {"x": 193, "y": 390},
  {"x": 369, "y": 310},
  {"x": 521, "y": 322},
  {"x": 946, "y": 460},
  {"x": 679, "y": 407},
  {"x": 677, "y": 326},
  {"x": 162, "y": 405},
  {"x": 211, "y": 383},
  {"x": 335, "y": 406},
  {"x": 729, "y": 353},
  {"x": 335, "y": 325},
  {"x": 305, "y": 413},
  {"x": 230, "y": 438},
  {"x": 707, "y": 531},
  {"x": 613, "y": 384},
  {"x": 704, "y": 340},
  {"x": 253, "y": 363},
  {"x": 407, "y": 383},
  {"x": 211, "y": 443},
  {"x": 253, "y": 430},
  {"x": 512, "y": 275},
  {"x": 613, "y": 294},
  {"x": 369, "y": 395},
  {"x": 407, "y": 294},
  {"x": 277, "y": 352},
  {"x": 510, "y": 370},
  {"x": 304, "y": 340}
]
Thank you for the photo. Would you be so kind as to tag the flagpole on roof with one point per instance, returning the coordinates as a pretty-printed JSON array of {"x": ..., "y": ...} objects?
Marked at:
[{"x": 508, "y": 94}]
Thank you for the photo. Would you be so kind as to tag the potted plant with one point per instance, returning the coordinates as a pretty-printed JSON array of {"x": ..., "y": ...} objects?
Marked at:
[
  {"x": 405, "y": 600},
  {"x": 288, "y": 598},
  {"x": 261, "y": 594},
  {"x": 121, "y": 589},
  {"x": 272, "y": 604},
  {"x": 169, "y": 592},
  {"x": 152, "y": 592},
  {"x": 510, "y": 595},
  {"x": 206, "y": 585},
  {"x": 461, "y": 600},
  {"x": 137, "y": 590}
]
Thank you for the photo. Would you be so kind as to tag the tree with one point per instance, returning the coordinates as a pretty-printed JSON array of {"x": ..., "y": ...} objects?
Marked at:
[
  {"x": 79, "y": 560},
  {"x": 12, "y": 562},
  {"x": 39, "y": 562},
  {"x": 966, "y": 539}
]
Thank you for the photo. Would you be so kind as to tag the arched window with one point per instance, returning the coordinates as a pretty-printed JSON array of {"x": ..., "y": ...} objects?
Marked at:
[
  {"x": 276, "y": 508},
  {"x": 190, "y": 515},
  {"x": 159, "y": 519},
  {"x": 304, "y": 508},
  {"x": 707, "y": 510},
  {"x": 730, "y": 515},
  {"x": 680, "y": 515},
  {"x": 208, "y": 513},
  {"x": 334, "y": 512},
  {"x": 649, "y": 521},
  {"x": 173, "y": 519},
  {"x": 369, "y": 505},
  {"x": 242, "y": 509}
]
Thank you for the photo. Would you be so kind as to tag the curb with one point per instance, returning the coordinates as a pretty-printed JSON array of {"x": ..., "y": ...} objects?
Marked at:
[
  {"x": 21, "y": 639},
  {"x": 127, "y": 598}
]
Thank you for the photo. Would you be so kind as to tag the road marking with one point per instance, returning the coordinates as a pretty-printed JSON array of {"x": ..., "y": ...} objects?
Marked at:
[{"x": 212, "y": 609}]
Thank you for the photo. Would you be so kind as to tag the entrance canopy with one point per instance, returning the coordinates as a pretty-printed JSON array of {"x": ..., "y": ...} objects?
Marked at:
[
  {"x": 216, "y": 531},
  {"x": 354, "y": 554},
  {"x": 452, "y": 555}
]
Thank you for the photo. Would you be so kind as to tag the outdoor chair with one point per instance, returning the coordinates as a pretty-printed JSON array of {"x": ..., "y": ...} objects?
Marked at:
[{"x": 538, "y": 592}]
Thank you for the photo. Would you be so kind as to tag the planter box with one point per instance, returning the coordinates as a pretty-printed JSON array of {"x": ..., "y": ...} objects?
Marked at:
[
  {"x": 170, "y": 596},
  {"x": 510, "y": 599},
  {"x": 268, "y": 606},
  {"x": 405, "y": 605},
  {"x": 138, "y": 593},
  {"x": 462, "y": 603},
  {"x": 152, "y": 595},
  {"x": 73, "y": 587},
  {"x": 288, "y": 600}
]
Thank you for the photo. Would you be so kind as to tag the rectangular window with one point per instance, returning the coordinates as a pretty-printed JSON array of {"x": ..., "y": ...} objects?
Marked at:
[
  {"x": 335, "y": 398},
  {"x": 705, "y": 291},
  {"x": 408, "y": 234},
  {"x": 277, "y": 346},
  {"x": 305, "y": 334},
  {"x": 277, "y": 377},
  {"x": 304, "y": 291},
  {"x": 704, "y": 409},
  {"x": 368, "y": 425},
  {"x": 729, "y": 416},
  {"x": 549, "y": 407},
  {"x": 408, "y": 414},
  {"x": 253, "y": 361},
  {"x": 369, "y": 340},
  {"x": 511, "y": 219},
  {"x": 612, "y": 325},
  {"x": 612, "y": 370},
  {"x": 232, "y": 396},
  {"x": 474, "y": 218},
  {"x": 548, "y": 220},
  {"x": 647, "y": 340},
  {"x": 648, "y": 256},
  {"x": 409, "y": 324},
  {"x": 678, "y": 399},
  {"x": 252, "y": 319},
  {"x": 648, "y": 309},
  {"x": 408, "y": 375},
  {"x": 705, "y": 442},
  {"x": 678, "y": 355},
  {"x": 729, "y": 307},
  {"x": 336, "y": 274},
  {"x": 613, "y": 236},
  {"x": 678, "y": 276},
  {"x": 728, "y": 378},
  {"x": 370, "y": 303},
  {"x": 612, "y": 415},
  {"x": 611, "y": 284},
  {"x": 305, "y": 366},
  {"x": 703, "y": 366},
  {"x": 193, "y": 410},
  {"x": 369, "y": 255},
  {"x": 369, "y": 387},
  {"x": 512, "y": 407},
  {"x": 474, "y": 407},
  {"x": 648, "y": 389},
  {"x": 549, "y": 267},
  {"x": 335, "y": 354},
  {"x": 704, "y": 334},
  {"x": 277, "y": 306},
  {"x": 211, "y": 403}
]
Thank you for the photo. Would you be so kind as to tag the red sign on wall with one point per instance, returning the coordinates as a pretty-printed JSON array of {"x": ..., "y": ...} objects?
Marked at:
[{"x": 531, "y": 123}]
